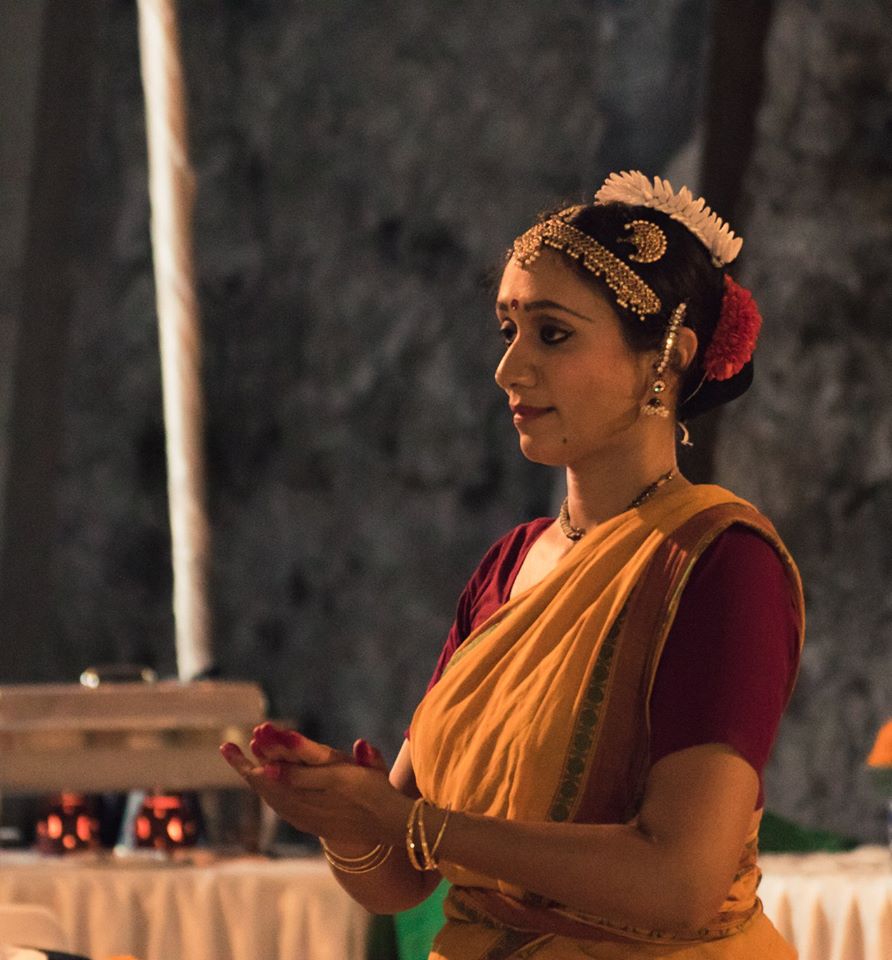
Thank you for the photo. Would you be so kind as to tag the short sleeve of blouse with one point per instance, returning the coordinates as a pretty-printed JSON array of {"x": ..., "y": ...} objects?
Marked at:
[{"x": 731, "y": 655}]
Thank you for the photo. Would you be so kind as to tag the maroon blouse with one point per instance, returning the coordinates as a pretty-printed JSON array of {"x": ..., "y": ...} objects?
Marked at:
[{"x": 729, "y": 658}]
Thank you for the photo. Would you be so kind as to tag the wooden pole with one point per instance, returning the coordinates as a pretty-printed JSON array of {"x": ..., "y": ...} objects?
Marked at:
[{"x": 171, "y": 190}]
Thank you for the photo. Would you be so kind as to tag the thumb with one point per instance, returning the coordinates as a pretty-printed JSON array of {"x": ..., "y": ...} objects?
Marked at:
[{"x": 368, "y": 756}]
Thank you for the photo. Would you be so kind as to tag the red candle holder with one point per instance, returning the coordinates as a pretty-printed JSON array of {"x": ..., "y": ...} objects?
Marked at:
[
  {"x": 166, "y": 821},
  {"x": 68, "y": 825}
]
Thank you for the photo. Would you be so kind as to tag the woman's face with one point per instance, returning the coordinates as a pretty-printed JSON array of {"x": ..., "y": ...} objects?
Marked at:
[{"x": 575, "y": 388}]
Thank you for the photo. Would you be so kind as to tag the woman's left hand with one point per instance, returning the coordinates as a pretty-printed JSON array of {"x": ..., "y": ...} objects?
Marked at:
[{"x": 322, "y": 791}]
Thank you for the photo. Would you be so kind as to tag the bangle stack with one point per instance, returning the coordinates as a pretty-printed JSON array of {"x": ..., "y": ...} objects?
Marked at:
[
  {"x": 364, "y": 864},
  {"x": 415, "y": 827}
]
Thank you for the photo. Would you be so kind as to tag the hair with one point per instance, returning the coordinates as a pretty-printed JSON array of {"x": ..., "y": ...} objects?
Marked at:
[{"x": 684, "y": 272}]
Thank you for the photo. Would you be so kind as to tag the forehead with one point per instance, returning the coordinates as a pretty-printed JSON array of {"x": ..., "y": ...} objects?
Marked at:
[{"x": 550, "y": 277}]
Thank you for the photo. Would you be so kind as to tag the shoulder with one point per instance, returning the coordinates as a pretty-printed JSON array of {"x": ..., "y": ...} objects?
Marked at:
[
  {"x": 745, "y": 543},
  {"x": 741, "y": 588},
  {"x": 741, "y": 561}
]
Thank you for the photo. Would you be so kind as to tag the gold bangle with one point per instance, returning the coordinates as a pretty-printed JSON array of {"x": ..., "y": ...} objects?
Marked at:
[
  {"x": 437, "y": 842},
  {"x": 367, "y": 868},
  {"x": 422, "y": 833},
  {"x": 367, "y": 862},
  {"x": 335, "y": 857},
  {"x": 410, "y": 834},
  {"x": 415, "y": 822}
]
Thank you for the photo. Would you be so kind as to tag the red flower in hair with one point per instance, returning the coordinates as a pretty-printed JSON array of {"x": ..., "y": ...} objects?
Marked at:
[{"x": 735, "y": 336}]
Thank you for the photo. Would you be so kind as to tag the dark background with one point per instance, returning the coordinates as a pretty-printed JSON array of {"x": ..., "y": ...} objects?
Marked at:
[{"x": 361, "y": 168}]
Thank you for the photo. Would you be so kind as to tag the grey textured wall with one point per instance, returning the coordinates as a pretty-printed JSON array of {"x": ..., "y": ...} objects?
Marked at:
[
  {"x": 361, "y": 166},
  {"x": 812, "y": 441}
]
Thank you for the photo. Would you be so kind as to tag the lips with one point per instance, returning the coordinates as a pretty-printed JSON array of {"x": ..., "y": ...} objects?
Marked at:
[{"x": 523, "y": 411}]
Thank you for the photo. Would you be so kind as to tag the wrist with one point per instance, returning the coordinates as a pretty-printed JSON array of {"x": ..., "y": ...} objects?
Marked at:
[
  {"x": 390, "y": 818},
  {"x": 425, "y": 829}
]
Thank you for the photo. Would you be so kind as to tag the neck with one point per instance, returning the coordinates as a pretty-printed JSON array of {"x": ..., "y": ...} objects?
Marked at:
[{"x": 603, "y": 488}]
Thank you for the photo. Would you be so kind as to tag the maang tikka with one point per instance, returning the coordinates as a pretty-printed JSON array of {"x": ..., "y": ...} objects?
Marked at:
[{"x": 655, "y": 406}]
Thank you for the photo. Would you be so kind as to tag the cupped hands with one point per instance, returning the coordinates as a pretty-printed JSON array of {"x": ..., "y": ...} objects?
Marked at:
[{"x": 321, "y": 790}]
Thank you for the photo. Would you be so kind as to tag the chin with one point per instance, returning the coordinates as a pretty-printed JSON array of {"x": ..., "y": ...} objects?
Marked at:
[{"x": 546, "y": 454}]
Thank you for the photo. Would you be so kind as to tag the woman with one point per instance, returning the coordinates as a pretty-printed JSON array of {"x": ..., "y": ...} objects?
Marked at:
[{"x": 586, "y": 765}]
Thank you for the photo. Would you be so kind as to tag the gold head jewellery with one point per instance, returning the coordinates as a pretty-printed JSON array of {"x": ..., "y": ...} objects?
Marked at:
[
  {"x": 632, "y": 187},
  {"x": 628, "y": 288},
  {"x": 649, "y": 240}
]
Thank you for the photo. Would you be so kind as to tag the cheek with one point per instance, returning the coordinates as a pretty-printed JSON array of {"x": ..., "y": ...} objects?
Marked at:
[{"x": 615, "y": 381}]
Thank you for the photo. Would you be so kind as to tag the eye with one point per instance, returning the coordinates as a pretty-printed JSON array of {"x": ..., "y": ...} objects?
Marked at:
[
  {"x": 508, "y": 331},
  {"x": 551, "y": 334}
]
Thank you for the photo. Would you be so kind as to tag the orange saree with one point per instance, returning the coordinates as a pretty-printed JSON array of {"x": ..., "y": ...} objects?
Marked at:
[{"x": 542, "y": 714}]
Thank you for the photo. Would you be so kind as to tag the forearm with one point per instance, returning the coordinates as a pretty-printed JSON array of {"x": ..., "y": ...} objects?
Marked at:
[
  {"x": 613, "y": 871},
  {"x": 620, "y": 872}
]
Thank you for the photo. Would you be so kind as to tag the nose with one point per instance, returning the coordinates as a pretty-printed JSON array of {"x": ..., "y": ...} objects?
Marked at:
[{"x": 516, "y": 368}]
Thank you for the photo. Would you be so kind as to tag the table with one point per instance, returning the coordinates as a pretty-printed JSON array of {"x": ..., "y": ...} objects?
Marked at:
[
  {"x": 247, "y": 908},
  {"x": 831, "y": 906}
]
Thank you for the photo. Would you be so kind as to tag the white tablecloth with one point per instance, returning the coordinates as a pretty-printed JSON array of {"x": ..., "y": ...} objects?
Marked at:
[
  {"x": 240, "y": 909},
  {"x": 831, "y": 906}
]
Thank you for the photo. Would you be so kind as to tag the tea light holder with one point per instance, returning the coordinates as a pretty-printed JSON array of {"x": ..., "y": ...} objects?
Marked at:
[
  {"x": 68, "y": 825},
  {"x": 166, "y": 821}
]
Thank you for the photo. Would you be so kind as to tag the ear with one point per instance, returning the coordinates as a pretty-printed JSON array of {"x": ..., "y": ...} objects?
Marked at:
[{"x": 685, "y": 349}]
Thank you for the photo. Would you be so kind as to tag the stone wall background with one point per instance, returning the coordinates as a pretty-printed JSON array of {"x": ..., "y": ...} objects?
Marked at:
[
  {"x": 360, "y": 169},
  {"x": 811, "y": 442}
]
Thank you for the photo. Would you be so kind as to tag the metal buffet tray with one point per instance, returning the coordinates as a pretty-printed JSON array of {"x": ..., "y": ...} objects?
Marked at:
[{"x": 123, "y": 736}]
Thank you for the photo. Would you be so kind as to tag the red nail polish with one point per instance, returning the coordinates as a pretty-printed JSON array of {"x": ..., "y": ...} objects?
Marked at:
[
  {"x": 228, "y": 749},
  {"x": 273, "y": 771},
  {"x": 266, "y": 736},
  {"x": 364, "y": 754}
]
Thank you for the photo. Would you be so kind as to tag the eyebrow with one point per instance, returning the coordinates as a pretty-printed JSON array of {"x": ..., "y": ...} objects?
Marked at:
[{"x": 544, "y": 305}]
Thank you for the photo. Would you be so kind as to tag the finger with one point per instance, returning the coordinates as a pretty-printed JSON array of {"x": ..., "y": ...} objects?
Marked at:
[
  {"x": 233, "y": 755},
  {"x": 368, "y": 756},
  {"x": 274, "y": 743},
  {"x": 268, "y": 737}
]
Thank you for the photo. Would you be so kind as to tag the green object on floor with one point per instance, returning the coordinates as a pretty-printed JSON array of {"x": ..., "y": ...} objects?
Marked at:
[
  {"x": 381, "y": 942},
  {"x": 416, "y": 928},
  {"x": 779, "y": 835}
]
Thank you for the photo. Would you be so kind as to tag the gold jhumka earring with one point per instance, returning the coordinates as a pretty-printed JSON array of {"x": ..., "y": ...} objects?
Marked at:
[{"x": 655, "y": 406}]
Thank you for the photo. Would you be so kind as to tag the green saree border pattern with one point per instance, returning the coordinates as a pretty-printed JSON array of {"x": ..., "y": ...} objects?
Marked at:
[
  {"x": 586, "y": 724},
  {"x": 466, "y": 648}
]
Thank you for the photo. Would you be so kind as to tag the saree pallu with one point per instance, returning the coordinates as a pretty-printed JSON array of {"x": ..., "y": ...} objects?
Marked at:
[{"x": 542, "y": 715}]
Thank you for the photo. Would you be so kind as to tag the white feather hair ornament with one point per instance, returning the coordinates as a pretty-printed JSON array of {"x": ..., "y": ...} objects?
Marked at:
[{"x": 634, "y": 188}]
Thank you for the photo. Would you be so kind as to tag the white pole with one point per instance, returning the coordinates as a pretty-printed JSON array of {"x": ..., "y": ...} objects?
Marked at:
[{"x": 171, "y": 191}]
